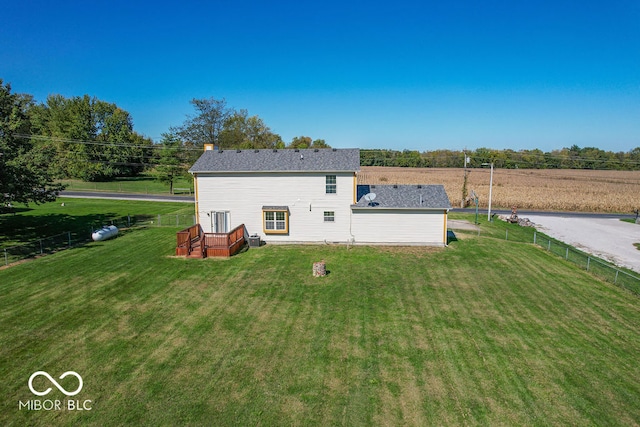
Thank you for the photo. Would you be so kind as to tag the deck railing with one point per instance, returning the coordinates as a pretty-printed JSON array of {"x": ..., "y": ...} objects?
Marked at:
[
  {"x": 186, "y": 238},
  {"x": 224, "y": 244},
  {"x": 212, "y": 244}
]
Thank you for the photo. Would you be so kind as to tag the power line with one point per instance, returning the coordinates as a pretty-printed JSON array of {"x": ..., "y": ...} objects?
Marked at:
[
  {"x": 539, "y": 160},
  {"x": 100, "y": 143}
]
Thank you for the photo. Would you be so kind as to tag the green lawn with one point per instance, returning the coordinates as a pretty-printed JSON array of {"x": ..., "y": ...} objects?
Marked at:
[
  {"x": 141, "y": 184},
  {"x": 484, "y": 332},
  {"x": 76, "y": 215}
]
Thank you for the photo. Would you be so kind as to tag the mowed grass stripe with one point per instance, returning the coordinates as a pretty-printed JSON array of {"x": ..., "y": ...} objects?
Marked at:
[{"x": 482, "y": 332}]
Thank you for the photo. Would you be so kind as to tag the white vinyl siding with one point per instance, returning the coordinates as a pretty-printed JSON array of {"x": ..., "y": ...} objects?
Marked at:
[
  {"x": 400, "y": 226},
  {"x": 244, "y": 195}
]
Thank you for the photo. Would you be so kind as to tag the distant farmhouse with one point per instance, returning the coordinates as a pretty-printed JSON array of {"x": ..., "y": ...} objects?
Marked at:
[{"x": 312, "y": 196}]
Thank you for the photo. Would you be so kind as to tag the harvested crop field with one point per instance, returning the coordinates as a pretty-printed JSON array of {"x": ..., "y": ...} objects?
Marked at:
[{"x": 540, "y": 189}]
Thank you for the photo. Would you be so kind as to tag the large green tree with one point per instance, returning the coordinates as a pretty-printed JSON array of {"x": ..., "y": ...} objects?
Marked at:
[
  {"x": 94, "y": 140},
  {"x": 24, "y": 172},
  {"x": 169, "y": 163},
  {"x": 216, "y": 123},
  {"x": 206, "y": 125},
  {"x": 307, "y": 142},
  {"x": 244, "y": 131}
]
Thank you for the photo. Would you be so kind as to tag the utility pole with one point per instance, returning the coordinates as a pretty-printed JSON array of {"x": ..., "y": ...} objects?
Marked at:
[
  {"x": 490, "y": 188},
  {"x": 464, "y": 183}
]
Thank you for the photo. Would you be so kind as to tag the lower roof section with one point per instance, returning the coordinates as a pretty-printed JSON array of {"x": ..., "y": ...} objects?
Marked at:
[{"x": 402, "y": 197}]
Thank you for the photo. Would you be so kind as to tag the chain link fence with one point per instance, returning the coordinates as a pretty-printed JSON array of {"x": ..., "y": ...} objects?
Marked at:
[
  {"x": 592, "y": 264},
  {"x": 67, "y": 239}
]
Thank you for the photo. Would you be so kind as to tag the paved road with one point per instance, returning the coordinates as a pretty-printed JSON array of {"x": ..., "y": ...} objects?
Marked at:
[
  {"x": 527, "y": 213},
  {"x": 125, "y": 196}
]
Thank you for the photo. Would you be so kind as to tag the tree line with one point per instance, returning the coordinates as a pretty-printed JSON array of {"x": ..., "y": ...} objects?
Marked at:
[
  {"x": 82, "y": 137},
  {"x": 573, "y": 157}
]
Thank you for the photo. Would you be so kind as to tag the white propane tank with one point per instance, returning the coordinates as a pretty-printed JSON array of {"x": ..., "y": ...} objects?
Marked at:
[{"x": 105, "y": 233}]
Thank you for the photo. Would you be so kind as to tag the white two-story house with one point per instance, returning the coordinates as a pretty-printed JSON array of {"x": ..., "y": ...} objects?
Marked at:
[{"x": 312, "y": 195}]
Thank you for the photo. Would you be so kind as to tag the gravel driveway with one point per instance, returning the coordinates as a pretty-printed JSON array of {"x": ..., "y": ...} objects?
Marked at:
[{"x": 607, "y": 238}]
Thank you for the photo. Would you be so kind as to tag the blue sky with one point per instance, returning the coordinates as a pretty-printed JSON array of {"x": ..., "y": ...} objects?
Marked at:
[{"x": 420, "y": 75}]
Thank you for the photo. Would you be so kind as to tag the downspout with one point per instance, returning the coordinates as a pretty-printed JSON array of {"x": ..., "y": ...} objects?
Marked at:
[
  {"x": 355, "y": 191},
  {"x": 353, "y": 238},
  {"x": 195, "y": 195},
  {"x": 446, "y": 214}
]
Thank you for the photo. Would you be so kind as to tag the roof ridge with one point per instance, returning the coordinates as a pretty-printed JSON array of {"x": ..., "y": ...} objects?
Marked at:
[{"x": 279, "y": 160}]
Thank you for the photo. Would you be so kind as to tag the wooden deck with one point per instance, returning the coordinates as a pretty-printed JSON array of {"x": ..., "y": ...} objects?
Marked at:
[{"x": 192, "y": 242}]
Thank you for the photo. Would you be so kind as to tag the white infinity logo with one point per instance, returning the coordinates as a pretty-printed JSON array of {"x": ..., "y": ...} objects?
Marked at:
[{"x": 44, "y": 393}]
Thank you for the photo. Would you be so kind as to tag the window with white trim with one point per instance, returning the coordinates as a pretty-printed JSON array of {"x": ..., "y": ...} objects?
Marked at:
[
  {"x": 329, "y": 216},
  {"x": 331, "y": 184},
  {"x": 276, "y": 221}
]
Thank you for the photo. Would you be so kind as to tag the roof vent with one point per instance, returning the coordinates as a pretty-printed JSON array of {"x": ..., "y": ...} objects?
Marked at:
[
  {"x": 275, "y": 150},
  {"x": 256, "y": 151},
  {"x": 419, "y": 186},
  {"x": 315, "y": 150},
  {"x": 297, "y": 150},
  {"x": 238, "y": 151},
  {"x": 220, "y": 151},
  {"x": 335, "y": 149},
  {"x": 395, "y": 186},
  {"x": 373, "y": 186}
]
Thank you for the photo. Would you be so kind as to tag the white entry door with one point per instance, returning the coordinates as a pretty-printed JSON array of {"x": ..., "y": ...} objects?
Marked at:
[{"x": 220, "y": 221}]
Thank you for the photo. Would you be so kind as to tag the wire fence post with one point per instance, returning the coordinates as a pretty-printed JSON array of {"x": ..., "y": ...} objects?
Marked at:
[
  {"x": 6, "y": 258},
  {"x": 615, "y": 281},
  {"x": 567, "y": 256},
  {"x": 41, "y": 251},
  {"x": 535, "y": 235},
  {"x": 69, "y": 238},
  {"x": 588, "y": 262},
  {"x": 507, "y": 236},
  {"x": 549, "y": 246}
]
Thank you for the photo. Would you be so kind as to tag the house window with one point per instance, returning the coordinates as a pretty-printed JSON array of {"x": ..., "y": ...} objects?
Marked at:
[
  {"x": 329, "y": 216},
  {"x": 331, "y": 184},
  {"x": 276, "y": 221}
]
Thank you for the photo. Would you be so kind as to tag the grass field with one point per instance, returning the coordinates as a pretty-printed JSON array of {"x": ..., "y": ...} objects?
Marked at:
[
  {"x": 81, "y": 215},
  {"x": 484, "y": 332},
  {"x": 142, "y": 184},
  {"x": 540, "y": 189}
]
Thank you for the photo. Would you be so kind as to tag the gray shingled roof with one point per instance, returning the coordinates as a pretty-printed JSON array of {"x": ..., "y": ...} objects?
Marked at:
[
  {"x": 283, "y": 160},
  {"x": 403, "y": 197}
]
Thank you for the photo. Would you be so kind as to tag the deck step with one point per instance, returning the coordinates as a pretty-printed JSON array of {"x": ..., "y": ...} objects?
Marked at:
[{"x": 196, "y": 253}]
